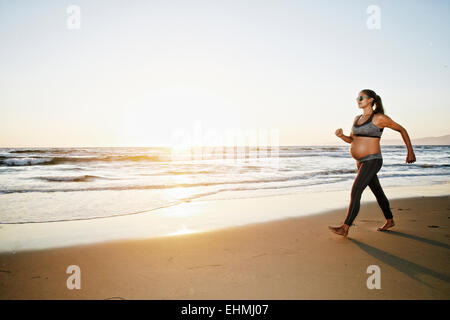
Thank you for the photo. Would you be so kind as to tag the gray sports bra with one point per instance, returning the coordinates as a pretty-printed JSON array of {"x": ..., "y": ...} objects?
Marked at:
[{"x": 367, "y": 129}]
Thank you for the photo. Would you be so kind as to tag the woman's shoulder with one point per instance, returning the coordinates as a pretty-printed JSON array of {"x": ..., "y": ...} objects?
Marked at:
[
  {"x": 380, "y": 119},
  {"x": 380, "y": 116}
]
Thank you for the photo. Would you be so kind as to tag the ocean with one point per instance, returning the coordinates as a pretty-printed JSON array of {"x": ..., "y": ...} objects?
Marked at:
[{"x": 61, "y": 184}]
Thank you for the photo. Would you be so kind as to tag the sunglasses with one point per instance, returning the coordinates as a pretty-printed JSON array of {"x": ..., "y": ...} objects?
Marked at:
[{"x": 361, "y": 98}]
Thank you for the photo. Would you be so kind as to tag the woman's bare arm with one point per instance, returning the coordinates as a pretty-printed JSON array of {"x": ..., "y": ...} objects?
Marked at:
[
  {"x": 348, "y": 139},
  {"x": 340, "y": 134},
  {"x": 385, "y": 121}
]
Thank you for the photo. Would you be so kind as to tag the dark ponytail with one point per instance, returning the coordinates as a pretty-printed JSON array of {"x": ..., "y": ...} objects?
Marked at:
[{"x": 376, "y": 100}]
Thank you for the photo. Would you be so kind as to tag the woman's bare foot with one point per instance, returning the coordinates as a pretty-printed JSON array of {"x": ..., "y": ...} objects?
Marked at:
[
  {"x": 342, "y": 230},
  {"x": 389, "y": 224}
]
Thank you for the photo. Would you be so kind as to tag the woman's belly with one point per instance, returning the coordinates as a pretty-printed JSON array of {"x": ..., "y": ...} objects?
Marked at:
[{"x": 362, "y": 146}]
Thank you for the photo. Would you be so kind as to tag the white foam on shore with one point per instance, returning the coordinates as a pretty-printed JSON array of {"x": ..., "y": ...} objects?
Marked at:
[{"x": 195, "y": 216}]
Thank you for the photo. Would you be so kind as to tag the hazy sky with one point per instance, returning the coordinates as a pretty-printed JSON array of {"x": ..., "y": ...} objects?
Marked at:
[{"x": 138, "y": 71}]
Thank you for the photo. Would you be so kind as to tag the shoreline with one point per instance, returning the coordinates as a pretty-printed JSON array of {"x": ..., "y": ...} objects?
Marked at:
[
  {"x": 192, "y": 217},
  {"x": 292, "y": 258}
]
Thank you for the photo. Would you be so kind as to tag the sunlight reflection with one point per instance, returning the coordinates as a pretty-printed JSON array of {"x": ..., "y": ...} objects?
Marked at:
[{"x": 183, "y": 230}]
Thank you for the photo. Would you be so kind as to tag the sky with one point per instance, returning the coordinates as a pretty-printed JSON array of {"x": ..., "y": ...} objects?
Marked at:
[{"x": 145, "y": 73}]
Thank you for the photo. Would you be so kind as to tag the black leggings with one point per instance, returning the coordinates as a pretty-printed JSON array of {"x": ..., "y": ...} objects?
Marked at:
[{"x": 367, "y": 176}]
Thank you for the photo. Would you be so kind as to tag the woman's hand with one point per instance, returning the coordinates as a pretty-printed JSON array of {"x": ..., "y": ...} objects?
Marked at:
[
  {"x": 385, "y": 121},
  {"x": 411, "y": 157},
  {"x": 339, "y": 132}
]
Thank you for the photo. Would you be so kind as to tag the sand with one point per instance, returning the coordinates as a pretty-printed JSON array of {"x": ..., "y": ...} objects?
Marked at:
[{"x": 293, "y": 258}]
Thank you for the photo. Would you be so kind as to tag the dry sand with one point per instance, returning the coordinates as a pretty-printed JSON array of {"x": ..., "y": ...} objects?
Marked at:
[{"x": 295, "y": 258}]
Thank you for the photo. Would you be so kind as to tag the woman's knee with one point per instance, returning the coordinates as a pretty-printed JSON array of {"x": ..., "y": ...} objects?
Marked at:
[{"x": 357, "y": 191}]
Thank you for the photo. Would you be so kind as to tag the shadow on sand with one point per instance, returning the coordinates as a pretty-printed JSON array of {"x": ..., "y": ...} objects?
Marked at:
[
  {"x": 417, "y": 238},
  {"x": 406, "y": 267}
]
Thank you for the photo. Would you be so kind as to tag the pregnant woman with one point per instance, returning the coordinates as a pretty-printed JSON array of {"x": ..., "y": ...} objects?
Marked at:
[{"x": 365, "y": 149}]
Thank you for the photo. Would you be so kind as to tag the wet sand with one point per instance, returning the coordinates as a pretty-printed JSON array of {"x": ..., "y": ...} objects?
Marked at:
[{"x": 293, "y": 258}]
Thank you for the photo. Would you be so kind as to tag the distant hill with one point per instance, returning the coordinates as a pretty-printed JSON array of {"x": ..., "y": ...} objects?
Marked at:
[{"x": 442, "y": 140}]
